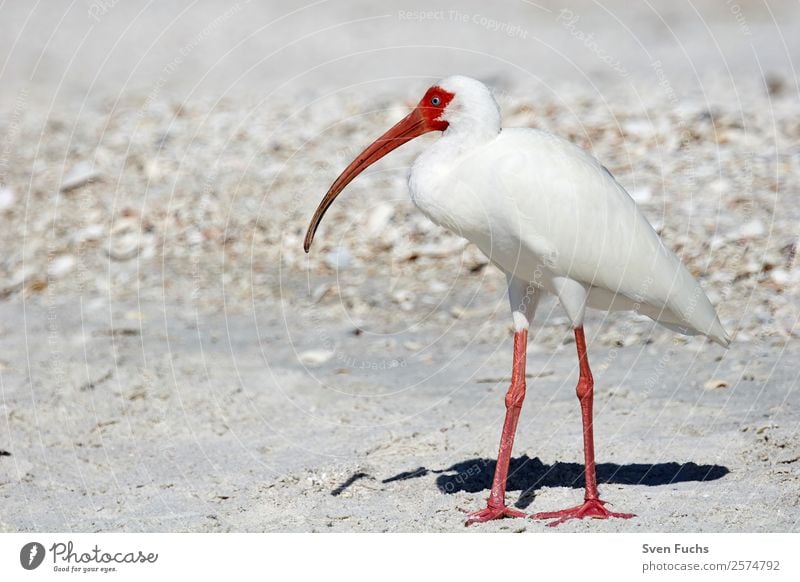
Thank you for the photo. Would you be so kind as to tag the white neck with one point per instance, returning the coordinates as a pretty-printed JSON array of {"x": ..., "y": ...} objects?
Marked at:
[{"x": 430, "y": 171}]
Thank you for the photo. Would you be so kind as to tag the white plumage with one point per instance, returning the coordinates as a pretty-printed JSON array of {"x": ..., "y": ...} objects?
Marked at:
[{"x": 549, "y": 214}]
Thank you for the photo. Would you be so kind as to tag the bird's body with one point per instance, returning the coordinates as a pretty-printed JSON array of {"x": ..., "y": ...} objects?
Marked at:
[
  {"x": 528, "y": 200},
  {"x": 554, "y": 220}
]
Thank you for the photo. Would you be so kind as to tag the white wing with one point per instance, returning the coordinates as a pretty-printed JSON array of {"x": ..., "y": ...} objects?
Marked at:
[{"x": 569, "y": 211}]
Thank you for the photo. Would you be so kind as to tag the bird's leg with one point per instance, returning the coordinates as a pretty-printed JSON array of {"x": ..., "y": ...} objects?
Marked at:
[
  {"x": 592, "y": 506},
  {"x": 496, "y": 507}
]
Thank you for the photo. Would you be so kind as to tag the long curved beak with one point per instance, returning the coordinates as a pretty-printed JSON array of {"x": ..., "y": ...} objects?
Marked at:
[{"x": 411, "y": 126}]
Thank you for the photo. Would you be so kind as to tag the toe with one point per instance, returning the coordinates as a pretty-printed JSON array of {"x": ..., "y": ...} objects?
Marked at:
[
  {"x": 490, "y": 513},
  {"x": 592, "y": 508}
]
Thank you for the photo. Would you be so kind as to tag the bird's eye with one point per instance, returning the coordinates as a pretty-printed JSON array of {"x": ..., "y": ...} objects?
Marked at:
[{"x": 435, "y": 101}]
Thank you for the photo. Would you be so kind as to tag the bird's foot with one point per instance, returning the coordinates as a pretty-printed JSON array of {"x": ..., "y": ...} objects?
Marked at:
[
  {"x": 591, "y": 508},
  {"x": 489, "y": 513}
]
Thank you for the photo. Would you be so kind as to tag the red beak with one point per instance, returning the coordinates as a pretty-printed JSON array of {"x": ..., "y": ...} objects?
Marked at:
[{"x": 411, "y": 126}]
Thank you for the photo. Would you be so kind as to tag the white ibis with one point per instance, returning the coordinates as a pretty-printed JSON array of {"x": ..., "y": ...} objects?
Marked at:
[{"x": 554, "y": 220}]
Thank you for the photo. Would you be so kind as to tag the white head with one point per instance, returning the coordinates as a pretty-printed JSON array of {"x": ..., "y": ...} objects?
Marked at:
[
  {"x": 456, "y": 105},
  {"x": 472, "y": 110}
]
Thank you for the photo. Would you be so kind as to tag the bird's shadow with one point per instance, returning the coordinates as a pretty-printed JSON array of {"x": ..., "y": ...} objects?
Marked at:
[{"x": 528, "y": 475}]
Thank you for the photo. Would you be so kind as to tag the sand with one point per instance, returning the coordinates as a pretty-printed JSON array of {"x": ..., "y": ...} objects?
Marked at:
[{"x": 171, "y": 360}]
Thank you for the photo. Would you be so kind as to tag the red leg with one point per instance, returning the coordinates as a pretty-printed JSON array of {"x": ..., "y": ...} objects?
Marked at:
[
  {"x": 592, "y": 506},
  {"x": 496, "y": 506}
]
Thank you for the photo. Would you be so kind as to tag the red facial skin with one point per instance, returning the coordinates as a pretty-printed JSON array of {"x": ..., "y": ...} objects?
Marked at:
[
  {"x": 432, "y": 110},
  {"x": 425, "y": 117}
]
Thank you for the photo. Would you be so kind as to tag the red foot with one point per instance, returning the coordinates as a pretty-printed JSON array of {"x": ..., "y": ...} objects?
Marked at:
[
  {"x": 490, "y": 513},
  {"x": 591, "y": 508}
]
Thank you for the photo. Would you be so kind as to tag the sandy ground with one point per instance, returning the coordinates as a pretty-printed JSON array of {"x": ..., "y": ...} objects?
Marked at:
[
  {"x": 156, "y": 422},
  {"x": 170, "y": 360}
]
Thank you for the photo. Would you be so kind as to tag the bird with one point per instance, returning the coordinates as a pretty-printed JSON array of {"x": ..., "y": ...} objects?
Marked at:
[{"x": 555, "y": 220}]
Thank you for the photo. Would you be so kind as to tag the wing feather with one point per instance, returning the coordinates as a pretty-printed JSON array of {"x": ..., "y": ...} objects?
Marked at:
[{"x": 576, "y": 214}]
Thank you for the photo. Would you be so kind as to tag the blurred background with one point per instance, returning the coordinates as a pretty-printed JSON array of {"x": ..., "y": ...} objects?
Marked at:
[
  {"x": 83, "y": 49},
  {"x": 165, "y": 340}
]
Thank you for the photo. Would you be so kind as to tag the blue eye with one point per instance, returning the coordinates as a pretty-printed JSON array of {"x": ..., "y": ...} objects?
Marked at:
[{"x": 435, "y": 101}]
